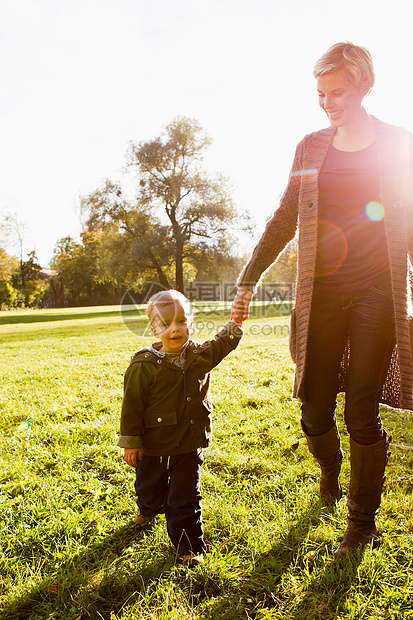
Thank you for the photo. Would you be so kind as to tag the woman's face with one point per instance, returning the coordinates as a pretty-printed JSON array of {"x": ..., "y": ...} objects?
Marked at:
[{"x": 340, "y": 98}]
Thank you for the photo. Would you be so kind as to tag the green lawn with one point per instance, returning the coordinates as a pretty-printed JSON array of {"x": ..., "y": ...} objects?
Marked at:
[{"x": 68, "y": 548}]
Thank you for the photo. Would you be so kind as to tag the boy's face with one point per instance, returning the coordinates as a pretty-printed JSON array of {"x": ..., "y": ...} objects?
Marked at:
[{"x": 171, "y": 325}]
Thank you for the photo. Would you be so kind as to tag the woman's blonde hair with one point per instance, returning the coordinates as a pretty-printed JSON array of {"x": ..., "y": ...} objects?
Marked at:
[
  {"x": 165, "y": 298},
  {"x": 356, "y": 61}
]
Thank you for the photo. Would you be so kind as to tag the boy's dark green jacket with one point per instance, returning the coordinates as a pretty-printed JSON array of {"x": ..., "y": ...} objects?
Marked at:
[{"x": 167, "y": 410}]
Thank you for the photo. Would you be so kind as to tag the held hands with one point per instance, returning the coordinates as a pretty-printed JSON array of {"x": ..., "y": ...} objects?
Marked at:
[
  {"x": 240, "y": 305},
  {"x": 130, "y": 456}
]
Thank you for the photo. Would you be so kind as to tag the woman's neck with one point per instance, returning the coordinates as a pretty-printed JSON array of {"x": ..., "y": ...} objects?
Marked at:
[{"x": 356, "y": 135}]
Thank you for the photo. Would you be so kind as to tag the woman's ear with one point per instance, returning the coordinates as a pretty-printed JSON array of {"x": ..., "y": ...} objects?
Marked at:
[{"x": 365, "y": 88}]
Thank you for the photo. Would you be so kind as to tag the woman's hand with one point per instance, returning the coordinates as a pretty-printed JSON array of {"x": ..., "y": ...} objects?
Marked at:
[
  {"x": 131, "y": 454},
  {"x": 240, "y": 305}
]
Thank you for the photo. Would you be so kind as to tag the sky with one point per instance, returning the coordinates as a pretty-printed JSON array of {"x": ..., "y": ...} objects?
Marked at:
[{"x": 81, "y": 79}]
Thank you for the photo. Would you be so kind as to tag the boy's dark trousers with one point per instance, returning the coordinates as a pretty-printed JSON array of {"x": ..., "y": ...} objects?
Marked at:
[{"x": 171, "y": 484}]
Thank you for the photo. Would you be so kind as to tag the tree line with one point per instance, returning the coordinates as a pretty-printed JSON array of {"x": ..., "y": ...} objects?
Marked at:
[{"x": 169, "y": 222}]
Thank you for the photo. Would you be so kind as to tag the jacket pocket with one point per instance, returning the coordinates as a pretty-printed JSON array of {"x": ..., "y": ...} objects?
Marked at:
[
  {"x": 292, "y": 339},
  {"x": 161, "y": 430},
  {"x": 159, "y": 419}
]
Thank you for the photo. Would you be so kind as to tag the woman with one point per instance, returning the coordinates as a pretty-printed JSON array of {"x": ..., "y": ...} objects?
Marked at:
[{"x": 350, "y": 193}]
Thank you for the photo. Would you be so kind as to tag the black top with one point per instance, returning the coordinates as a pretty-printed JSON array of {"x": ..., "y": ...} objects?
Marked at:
[{"x": 351, "y": 241}]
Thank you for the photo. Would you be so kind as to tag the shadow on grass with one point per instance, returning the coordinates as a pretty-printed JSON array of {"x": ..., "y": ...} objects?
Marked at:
[
  {"x": 320, "y": 593},
  {"x": 318, "y": 586},
  {"x": 129, "y": 314},
  {"x": 326, "y": 592},
  {"x": 48, "y": 317},
  {"x": 70, "y": 593},
  {"x": 94, "y": 585}
]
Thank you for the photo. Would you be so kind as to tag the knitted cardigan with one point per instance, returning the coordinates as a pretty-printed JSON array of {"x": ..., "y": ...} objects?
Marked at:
[{"x": 299, "y": 207}]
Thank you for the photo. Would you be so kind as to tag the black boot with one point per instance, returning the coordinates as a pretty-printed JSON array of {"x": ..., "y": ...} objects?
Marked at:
[
  {"x": 366, "y": 482},
  {"x": 326, "y": 449}
]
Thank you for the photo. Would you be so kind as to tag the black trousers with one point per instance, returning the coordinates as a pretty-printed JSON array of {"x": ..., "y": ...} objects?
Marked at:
[
  {"x": 366, "y": 316},
  {"x": 172, "y": 485}
]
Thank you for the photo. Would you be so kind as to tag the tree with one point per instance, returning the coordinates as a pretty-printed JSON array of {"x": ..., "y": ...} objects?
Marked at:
[
  {"x": 14, "y": 231},
  {"x": 29, "y": 282},
  {"x": 180, "y": 216},
  {"x": 77, "y": 266},
  {"x": 8, "y": 295},
  {"x": 133, "y": 244},
  {"x": 9, "y": 265}
]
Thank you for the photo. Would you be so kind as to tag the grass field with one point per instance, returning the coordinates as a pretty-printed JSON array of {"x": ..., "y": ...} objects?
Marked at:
[{"x": 68, "y": 548}]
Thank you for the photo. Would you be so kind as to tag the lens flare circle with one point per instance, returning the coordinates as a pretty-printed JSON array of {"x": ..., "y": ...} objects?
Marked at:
[{"x": 375, "y": 211}]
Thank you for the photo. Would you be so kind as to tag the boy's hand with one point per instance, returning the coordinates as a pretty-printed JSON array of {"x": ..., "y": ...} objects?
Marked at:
[
  {"x": 240, "y": 305},
  {"x": 130, "y": 456}
]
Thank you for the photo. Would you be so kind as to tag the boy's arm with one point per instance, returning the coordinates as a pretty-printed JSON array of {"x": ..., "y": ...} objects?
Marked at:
[
  {"x": 133, "y": 406},
  {"x": 224, "y": 342}
]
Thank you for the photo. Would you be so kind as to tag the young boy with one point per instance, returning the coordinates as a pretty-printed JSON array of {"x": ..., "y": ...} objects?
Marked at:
[{"x": 166, "y": 419}]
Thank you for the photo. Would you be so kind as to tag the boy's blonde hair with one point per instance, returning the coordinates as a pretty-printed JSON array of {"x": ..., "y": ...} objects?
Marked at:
[
  {"x": 355, "y": 60},
  {"x": 165, "y": 298}
]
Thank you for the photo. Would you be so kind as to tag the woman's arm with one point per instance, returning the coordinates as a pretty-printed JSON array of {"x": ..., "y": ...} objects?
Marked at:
[
  {"x": 278, "y": 232},
  {"x": 410, "y": 202}
]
